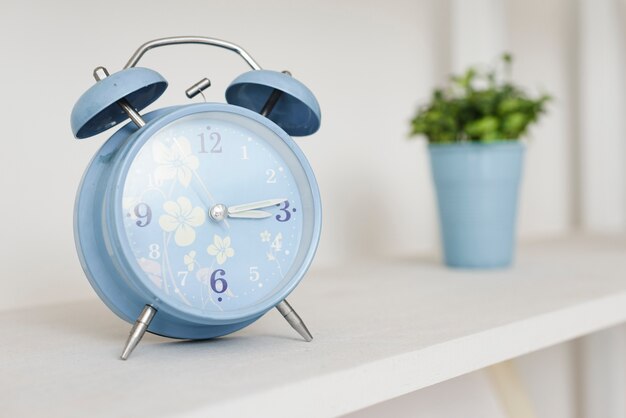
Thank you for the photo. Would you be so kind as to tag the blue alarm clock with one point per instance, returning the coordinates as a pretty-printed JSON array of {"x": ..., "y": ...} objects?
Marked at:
[{"x": 192, "y": 221}]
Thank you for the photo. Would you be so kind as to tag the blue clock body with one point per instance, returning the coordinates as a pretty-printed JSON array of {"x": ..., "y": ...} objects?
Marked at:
[{"x": 143, "y": 227}]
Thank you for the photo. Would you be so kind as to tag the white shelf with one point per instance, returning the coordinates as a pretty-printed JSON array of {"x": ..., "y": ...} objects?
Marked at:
[{"x": 381, "y": 330}]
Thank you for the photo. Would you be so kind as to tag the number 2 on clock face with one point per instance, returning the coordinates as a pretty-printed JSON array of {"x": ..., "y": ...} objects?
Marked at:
[{"x": 177, "y": 176}]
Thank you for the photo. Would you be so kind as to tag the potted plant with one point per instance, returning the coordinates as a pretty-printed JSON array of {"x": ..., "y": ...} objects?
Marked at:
[{"x": 473, "y": 127}]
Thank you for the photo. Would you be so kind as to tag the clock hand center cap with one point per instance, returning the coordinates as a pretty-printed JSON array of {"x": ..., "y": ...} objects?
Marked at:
[{"x": 218, "y": 212}]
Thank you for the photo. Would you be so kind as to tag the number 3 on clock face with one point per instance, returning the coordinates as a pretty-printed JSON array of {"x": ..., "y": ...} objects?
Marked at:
[{"x": 199, "y": 264}]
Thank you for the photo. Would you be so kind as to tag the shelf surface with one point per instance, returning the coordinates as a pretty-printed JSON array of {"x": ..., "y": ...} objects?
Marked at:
[{"x": 382, "y": 329}]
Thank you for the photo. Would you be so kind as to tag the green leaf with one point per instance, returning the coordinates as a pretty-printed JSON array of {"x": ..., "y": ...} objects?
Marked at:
[
  {"x": 477, "y": 106},
  {"x": 515, "y": 124},
  {"x": 483, "y": 128}
]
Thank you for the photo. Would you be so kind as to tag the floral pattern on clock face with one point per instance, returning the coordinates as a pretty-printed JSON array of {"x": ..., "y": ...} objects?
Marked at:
[{"x": 196, "y": 260}]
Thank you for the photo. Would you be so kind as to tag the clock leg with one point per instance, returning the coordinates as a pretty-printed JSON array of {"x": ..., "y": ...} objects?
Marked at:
[
  {"x": 139, "y": 329},
  {"x": 294, "y": 319}
]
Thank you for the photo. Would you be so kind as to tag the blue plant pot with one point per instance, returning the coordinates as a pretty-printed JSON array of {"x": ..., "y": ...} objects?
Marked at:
[{"x": 477, "y": 192}]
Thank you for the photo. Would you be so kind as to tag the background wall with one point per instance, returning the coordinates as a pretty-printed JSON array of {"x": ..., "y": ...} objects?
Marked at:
[
  {"x": 370, "y": 64},
  {"x": 348, "y": 53}
]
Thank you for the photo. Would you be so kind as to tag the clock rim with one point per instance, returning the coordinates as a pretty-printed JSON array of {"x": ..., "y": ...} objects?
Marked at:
[{"x": 121, "y": 247}]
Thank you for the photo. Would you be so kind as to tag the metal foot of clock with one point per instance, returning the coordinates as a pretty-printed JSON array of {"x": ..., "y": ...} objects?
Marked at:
[
  {"x": 143, "y": 322},
  {"x": 294, "y": 320},
  {"x": 138, "y": 330}
]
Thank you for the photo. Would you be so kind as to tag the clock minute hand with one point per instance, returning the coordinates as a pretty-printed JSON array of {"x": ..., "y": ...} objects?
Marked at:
[
  {"x": 250, "y": 214},
  {"x": 254, "y": 205}
]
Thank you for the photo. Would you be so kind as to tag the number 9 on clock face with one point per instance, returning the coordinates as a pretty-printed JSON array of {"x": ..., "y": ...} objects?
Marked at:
[{"x": 217, "y": 266}]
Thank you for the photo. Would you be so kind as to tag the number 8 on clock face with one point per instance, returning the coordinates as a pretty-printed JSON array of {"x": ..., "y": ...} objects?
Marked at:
[{"x": 194, "y": 220}]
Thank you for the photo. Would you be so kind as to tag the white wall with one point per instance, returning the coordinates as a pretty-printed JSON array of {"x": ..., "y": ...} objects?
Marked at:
[
  {"x": 348, "y": 53},
  {"x": 370, "y": 63},
  {"x": 602, "y": 66}
]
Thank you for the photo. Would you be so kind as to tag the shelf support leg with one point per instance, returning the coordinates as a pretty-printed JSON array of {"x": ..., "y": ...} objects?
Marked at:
[
  {"x": 510, "y": 390},
  {"x": 139, "y": 329},
  {"x": 294, "y": 320}
]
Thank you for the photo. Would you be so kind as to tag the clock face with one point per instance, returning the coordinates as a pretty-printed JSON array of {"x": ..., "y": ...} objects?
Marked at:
[{"x": 172, "y": 197}]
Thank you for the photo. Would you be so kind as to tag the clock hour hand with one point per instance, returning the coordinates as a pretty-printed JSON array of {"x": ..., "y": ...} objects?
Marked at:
[{"x": 255, "y": 205}]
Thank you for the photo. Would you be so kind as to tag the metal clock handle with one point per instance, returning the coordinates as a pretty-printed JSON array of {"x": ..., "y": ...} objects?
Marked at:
[
  {"x": 181, "y": 40},
  {"x": 100, "y": 72}
]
